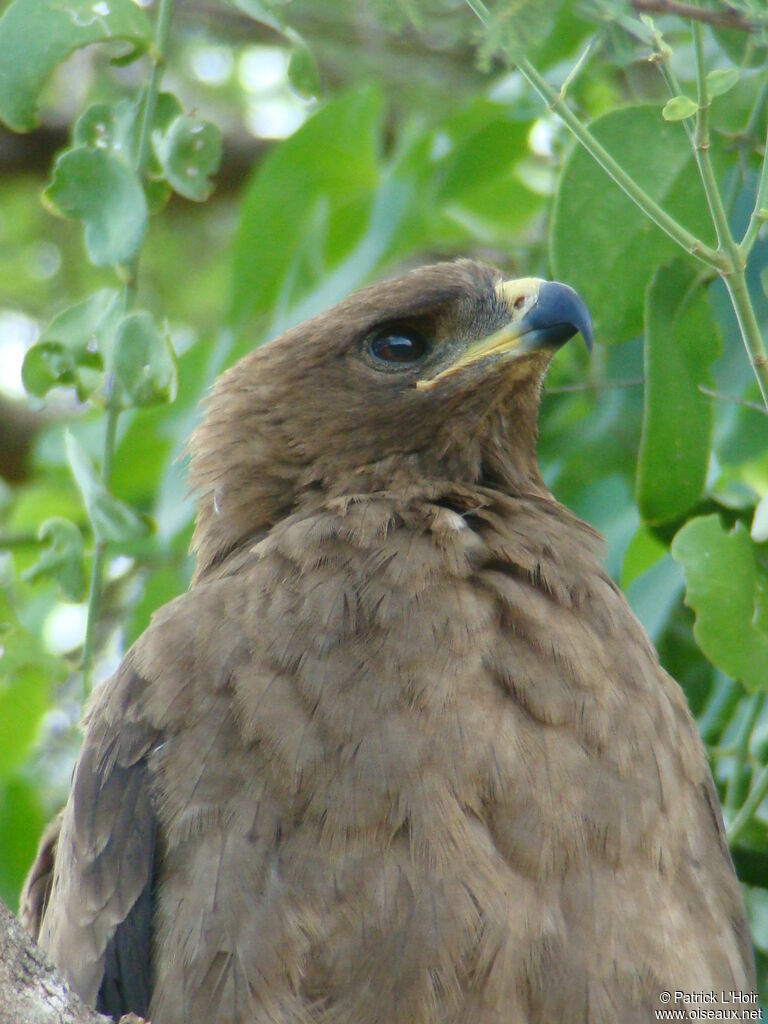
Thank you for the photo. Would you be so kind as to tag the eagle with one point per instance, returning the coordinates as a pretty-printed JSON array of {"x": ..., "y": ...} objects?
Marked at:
[{"x": 402, "y": 753}]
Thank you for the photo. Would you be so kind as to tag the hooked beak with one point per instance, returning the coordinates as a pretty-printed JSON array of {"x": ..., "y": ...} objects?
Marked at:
[{"x": 543, "y": 315}]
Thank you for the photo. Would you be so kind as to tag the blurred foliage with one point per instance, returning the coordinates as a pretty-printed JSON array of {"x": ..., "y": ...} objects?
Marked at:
[{"x": 385, "y": 134}]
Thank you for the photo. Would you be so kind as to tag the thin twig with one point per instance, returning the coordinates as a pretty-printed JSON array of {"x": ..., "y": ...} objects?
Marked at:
[
  {"x": 727, "y": 751},
  {"x": 742, "y": 746},
  {"x": 743, "y": 402},
  {"x": 747, "y": 812},
  {"x": 605, "y": 385},
  {"x": 701, "y": 144},
  {"x": 733, "y": 275},
  {"x": 718, "y": 19},
  {"x": 99, "y": 548},
  {"x": 758, "y": 216},
  {"x": 661, "y": 59},
  {"x": 575, "y": 71},
  {"x": 744, "y": 140},
  {"x": 18, "y": 540}
]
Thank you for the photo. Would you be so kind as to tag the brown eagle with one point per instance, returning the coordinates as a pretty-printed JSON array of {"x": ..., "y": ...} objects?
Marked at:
[{"x": 402, "y": 754}]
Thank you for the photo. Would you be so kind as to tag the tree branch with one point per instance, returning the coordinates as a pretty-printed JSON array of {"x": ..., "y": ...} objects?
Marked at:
[
  {"x": 31, "y": 992},
  {"x": 718, "y": 19}
]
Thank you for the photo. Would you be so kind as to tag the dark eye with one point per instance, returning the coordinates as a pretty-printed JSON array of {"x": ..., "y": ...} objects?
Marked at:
[{"x": 397, "y": 346}]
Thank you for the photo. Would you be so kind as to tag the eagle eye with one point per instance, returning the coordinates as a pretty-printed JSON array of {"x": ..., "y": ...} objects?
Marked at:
[{"x": 397, "y": 346}]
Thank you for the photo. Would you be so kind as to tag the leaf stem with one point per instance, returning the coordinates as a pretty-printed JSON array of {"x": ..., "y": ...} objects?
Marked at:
[
  {"x": 737, "y": 180},
  {"x": 684, "y": 238},
  {"x": 742, "y": 402},
  {"x": 671, "y": 80},
  {"x": 747, "y": 811},
  {"x": 600, "y": 385},
  {"x": 758, "y": 216},
  {"x": 703, "y": 161},
  {"x": 742, "y": 745},
  {"x": 720, "y": 19},
  {"x": 157, "y": 53},
  {"x": 736, "y": 255},
  {"x": 736, "y": 284}
]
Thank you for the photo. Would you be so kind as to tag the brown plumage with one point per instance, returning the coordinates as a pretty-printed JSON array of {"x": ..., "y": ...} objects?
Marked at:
[{"x": 402, "y": 754}]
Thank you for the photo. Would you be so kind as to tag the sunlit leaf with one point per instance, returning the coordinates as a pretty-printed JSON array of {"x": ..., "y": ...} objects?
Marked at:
[
  {"x": 36, "y": 35},
  {"x": 721, "y": 80},
  {"x": 728, "y": 590},
  {"x": 681, "y": 340},
  {"x": 102, "y": 191},
  {"x": 679, "y": 108}
]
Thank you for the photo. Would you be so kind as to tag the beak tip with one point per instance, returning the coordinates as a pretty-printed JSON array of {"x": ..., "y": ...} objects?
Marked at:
[{"x": 562, "y": 307}]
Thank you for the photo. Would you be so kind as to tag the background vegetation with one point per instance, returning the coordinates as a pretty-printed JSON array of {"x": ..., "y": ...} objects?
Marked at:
[{"x": 222, "y": 170}]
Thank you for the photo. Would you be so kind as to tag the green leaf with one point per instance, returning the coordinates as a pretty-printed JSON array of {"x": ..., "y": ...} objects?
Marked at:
[
  {"x": 70, "y": 350},
  {"x": 728, "y": 591},
  {"x": 144, "y": 361},
  {"x": 681, "y": 340},
  {"x": 477, "y": 180},
  {"x": 303, "y": 73},
  {"x": 329, "y": 169},
  {"x": 644, "y": 550},
  {"x": 111, "y": 519},
  {"x": 36, "y": 35},
  {"x": 602, "y": 244},
  {"x": 679, "y": 108},
  {"x": 188, "y": 152},
  {"x": 27, "y": 675},
  {"x": 98, "y": 188},
  {"x": 745, "y": 49},
  {"x": 21, "y": 822},
  {"x": 115, "y": 127},
  {"x": 156, "y": 188},
  {"x": 743, "y": 432},
  {"x": 721, "y": 81},
  {"x": 654, "y": 594},
  {"x": 102, "y": 126},
  {"x": 63, "y": 560}
]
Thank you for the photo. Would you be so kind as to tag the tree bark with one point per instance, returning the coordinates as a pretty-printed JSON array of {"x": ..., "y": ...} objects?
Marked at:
[{"x": 31, "y": 992}]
